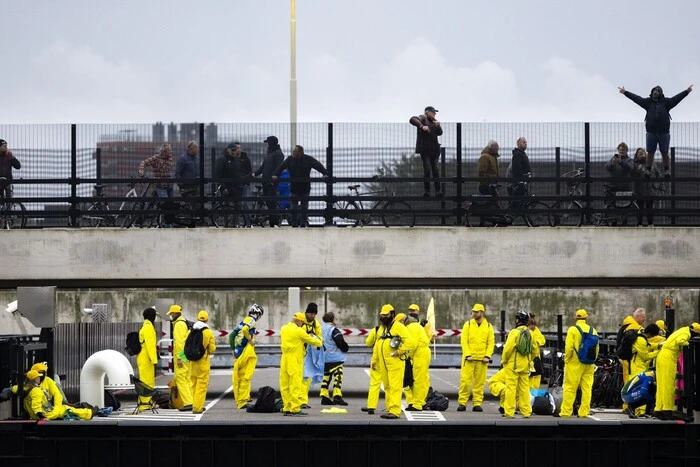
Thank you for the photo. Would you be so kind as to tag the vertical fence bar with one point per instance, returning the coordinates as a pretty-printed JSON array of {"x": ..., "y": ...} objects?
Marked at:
[
  {"x": 587, "y": 168},
  {"x": 673, "y": 185},
  {"x": 557, "y": 168},
  {"x": 443, "y": 167},
  {"x": 98, "y": 164},
  {"x": 202, "y": 196},
  {"x": 459, "y": 196},
  {"x": 329, "y": 182},
  {"x": 73, "y": 212}
]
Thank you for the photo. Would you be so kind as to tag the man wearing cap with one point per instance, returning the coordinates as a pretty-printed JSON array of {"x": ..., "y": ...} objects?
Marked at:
[
  {"x": 666, "y": 365},
  {"x": 292, "y": 340},
  {"x": 7, "y": 161},
  {"x": 393, "y": 346},
  {"x": 576, "y": 373},
  {"x": 181, "y": 368},
  {"x": 39, "y": 407},
  {"x": 420, "y": 360},
  {"x": 53, "y": 393},
  {"x": 299, "y": 166},
  {"x": 477, "y": 340},
  {"x": 314, "y": 362},
  {"x": 148, "y": 357},
  {"x": 200, "y": 369},
  {"x": 233, "y": 170},
  {"x": 427, "y": 145},
  {"x": 272, "y": 160}
]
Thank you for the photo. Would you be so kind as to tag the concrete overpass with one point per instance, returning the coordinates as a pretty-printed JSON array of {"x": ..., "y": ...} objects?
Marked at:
[{"x": 366, "y": 257}]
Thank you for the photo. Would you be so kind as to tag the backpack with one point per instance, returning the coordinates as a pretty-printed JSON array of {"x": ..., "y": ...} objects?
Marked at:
[
  {"x": 620, "y": 333},
  {"x": 436, "y": 401},
  {"x": 111, "y": 400},
  {"x": 194, "y": 345},
  {"x": 265, "y": 403},
  {"x": 133, "y": 343},
  {"x": 625, "y": 349},
  {"x": 524, "y": 345},
  {"x": 589, "y": 344},
  {"x": 639, "y": 390}
]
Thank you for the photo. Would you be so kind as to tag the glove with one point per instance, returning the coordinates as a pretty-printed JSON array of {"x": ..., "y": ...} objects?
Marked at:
[{"x": 423, "y": 322}]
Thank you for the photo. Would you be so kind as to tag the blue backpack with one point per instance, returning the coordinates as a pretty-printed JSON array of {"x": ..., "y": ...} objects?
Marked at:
[{"x": 589, "y": 345}]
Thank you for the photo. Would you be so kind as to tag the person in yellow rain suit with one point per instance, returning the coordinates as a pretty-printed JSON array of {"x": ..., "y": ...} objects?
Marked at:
[
  {"x": 147, "y": 359},
  {"x": 54, "y": 395},
  {"x": 293, "y": 336},
  {"x": 538, "y": 340},
  {"x": 375, "y": 377},
  {"x": 245, "y": 357},
  {"x": 181, "y": 369},
  {"x": 497, "y": 387},
  {"x": 313, "y": 327},
  {"x": 200, "y": 369},
  {"x": 643, "y": 353},
  {"x": 576, "y": 373},
  {"x": 635, "y": 321},
  {"x": 38, "y": 406},
  {"x": 477, "y": 341},
  {"x": 420, "y": 364},
  {"x": 518, "y": 352},
  {"x": 662, "y": 333},
  {"x": 666, "y": 363},
  {"x": 394, "y": 344}
]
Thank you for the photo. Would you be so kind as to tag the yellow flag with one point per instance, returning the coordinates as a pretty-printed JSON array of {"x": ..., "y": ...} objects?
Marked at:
[{"x": 430, "y": 317}]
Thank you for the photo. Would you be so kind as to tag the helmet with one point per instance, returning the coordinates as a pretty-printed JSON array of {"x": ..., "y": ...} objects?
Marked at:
[
  {"x": 257, "y": 309},
  {"x": 522, "y": 316}
]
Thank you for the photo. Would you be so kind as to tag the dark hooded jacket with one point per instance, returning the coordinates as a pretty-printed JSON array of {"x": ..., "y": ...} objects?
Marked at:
[
  {"x": 273, "y": 159},
  {"x": 658, "y": 118}
]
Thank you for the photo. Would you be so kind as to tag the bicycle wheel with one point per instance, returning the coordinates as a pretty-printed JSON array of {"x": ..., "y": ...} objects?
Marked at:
[
  {"x": 566, "y": 213},
  {"x": 347, "y": 213},
  {"x": 14, "y": 216},
  {"x": 221, "y": 215},
  {"x": 260, "y": 217},
  {"x": 398, "y": 214},
  {"x": 95, "y": 215},
  {"x": 537, "y": 214},
  {"x": 151, "y": 216}
]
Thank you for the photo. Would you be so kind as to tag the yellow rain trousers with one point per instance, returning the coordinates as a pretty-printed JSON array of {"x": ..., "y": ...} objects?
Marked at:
[
  {"x": 666, "y": 367},
  {"x": 243, "y": 369},
  {"x": 538, "y": 340},
  {"x": 576, "y": 374},
  {"x": 392, "y": 367},
  {"x": 35, "y": 402},
  {"x": 181, "y": 368},
  {"x": 292, "y": 339},
  {"x": 497, "y": 386},
  {"x": 477, "y": 342},
  {"x": 517, "y": 369},
  {"x": 200, "y": 369},
  {"x": 420, "y": 358},
  {"x": 375, "y": 376},
  {"x": 147, "y": 359}
]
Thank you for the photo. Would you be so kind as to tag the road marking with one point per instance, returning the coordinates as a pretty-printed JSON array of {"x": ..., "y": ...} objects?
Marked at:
[{"x": 424, "y": 416}]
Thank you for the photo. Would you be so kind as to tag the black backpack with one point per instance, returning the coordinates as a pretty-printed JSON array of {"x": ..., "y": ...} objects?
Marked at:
[
  {"x": 111, "y": 400},
  {"x": 265, "y": 403},
  {"x": 133, "y": 343},
  {"x": 436, "y": 401},
  {"x": 194, "y": 345},
  {"x": 625, "y": 350}
]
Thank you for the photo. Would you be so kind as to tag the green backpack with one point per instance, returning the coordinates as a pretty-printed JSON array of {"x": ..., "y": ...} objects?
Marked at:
[{"x": 524, "y": 346}]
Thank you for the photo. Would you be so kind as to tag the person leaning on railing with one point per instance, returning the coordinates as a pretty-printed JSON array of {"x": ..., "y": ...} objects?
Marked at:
[{"x": 7, "y": 162}]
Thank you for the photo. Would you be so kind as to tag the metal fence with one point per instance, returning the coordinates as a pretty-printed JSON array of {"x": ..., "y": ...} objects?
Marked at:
[{"x": 61, "y": 164}]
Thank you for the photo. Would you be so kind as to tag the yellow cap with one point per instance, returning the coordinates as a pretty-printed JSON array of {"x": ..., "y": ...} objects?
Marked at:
[
  {"x": 300, "y": 315},
  {"x": 400, "y": 317},
  {"x": 478, "y": 307},
  {"x": 32, "y": 374},
  {"x": 175, "y": 309},
  {"x": 40, "y": 366},
  {"x": 581, "y": 314},
  {"x": 203, "y": 316},
  {"x": 662, "y": 326},
  {"x": 413, "y": 307},
  {"x": 386, "y": 309},
  {"x": 695, "y": 327}
]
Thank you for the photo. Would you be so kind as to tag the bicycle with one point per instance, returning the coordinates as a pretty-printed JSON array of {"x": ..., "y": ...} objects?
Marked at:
[
  {"x": 97, "y": 213},
  {"x": 569, "y": 212},
  {"x": 146, "y": 212},
  {"x": 223, "y": 210},
  {"x": 394, "y": 213},
  {"x": 619, "y": 207},
  {"x": 489, "y": 208},
  {"x": 12, "y": 213}
]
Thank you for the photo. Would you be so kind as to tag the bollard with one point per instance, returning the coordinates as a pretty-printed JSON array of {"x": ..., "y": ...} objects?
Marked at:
[{"x": 670, "y": 318}]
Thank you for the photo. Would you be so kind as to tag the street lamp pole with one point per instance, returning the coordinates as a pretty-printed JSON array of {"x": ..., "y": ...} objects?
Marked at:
[{"x": 293, "y": 78}]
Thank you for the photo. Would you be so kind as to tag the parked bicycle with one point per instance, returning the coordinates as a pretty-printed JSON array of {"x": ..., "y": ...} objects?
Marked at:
[
  {"x": 620, "y": 207},
  {"x": 490, "y": 208},
  {"x": 223, "y": 210},
  {"x": 145, "y": 212},
  {"x": 97, "y": 213},
  {"x": 569, "y": 212},
  {"x": 394, "y": 213},
  {"x": 12, "y": 213}
]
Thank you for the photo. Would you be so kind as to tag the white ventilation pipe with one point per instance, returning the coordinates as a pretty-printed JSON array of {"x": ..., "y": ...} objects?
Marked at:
[{"x": 92, "y": 377}]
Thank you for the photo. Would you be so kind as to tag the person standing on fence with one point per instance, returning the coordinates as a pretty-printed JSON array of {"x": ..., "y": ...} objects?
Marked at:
[
  {"x": 147, "y": 359},
  {"x": 200, "y": 369},
  {"x": 272, "y": 160},
  {"x": 577, "y": 373},
  {"x": 181, "y": 368},
  {"x": 657, "y": 122},
  {"x": 477, "y": 340},
  {"x": 666, "y": 364},
  {"x": 299, "y": 166},
  {"x": 187, "y": 170},
  {"x": 7, "y": 162},
  {"x": 334, "y": 357},
  {"x": 293, "y": 337},
  {"x": 488, "y": 167},
  {"x": 427, "y": 145}
]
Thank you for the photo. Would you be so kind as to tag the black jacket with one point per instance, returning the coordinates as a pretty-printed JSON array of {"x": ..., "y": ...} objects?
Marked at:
[
  {"x": 658, "y": 118},
  {"x": 520, "y": 165},
  {"x": 426, "y": 142},
  {"x": 237, "y": 169},
  {"x": 272, "y": 160},
  {"x": 300, "y": 168}
]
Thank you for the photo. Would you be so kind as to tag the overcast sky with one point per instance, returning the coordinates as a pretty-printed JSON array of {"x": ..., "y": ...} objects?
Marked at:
[{"x": 90, "y": 61}]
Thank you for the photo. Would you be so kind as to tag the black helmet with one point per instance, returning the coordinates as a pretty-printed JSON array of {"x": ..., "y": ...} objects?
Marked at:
[
  {"x": 256, "y": 309},
  {"x": 522, "y": 316}
]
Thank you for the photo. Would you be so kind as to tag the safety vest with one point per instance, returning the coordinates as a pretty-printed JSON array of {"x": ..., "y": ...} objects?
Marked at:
[{"x": 333, "y": 353}]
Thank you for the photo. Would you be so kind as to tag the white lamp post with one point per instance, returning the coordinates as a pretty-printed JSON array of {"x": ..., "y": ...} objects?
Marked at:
[{"x": 293, "y": 78}]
